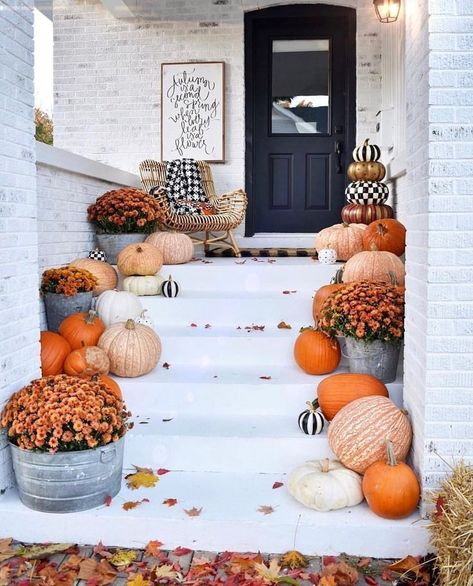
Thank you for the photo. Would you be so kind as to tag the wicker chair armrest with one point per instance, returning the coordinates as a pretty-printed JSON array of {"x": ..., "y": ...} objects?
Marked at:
[{"x": 233, "y": 201}]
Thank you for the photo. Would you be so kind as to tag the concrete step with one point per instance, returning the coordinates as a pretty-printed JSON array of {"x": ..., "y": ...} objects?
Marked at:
[{"x": 229, "y": 519}]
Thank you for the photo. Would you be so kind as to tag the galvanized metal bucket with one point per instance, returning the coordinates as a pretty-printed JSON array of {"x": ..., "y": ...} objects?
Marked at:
[
  {"x": 113, "y": 244},
  {"x": 377, "y": 358},
  {"x": 66, "y": 482},
  {"x": 59, "y": 306}
]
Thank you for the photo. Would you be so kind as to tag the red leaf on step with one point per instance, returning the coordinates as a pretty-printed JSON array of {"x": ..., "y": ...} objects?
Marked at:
[
  {"x": 329, "y": 559},
  {"x": 180, "y": 551},
  {"x": 266, "y": 509},
  {"x": 162, "y": 471},
  {"x": 371, "y": 581},
  {"x": 440, "y": 506},
  {"x": 193, "y": 325},
  {"x": 166, "y": 365},
  {"x": 287, "y": 292},
  {"x": 265, "y": 377},
  {"x": 194, "y": 512},
  {"x": 170, "y": 502},
  {"x": 387, "y": 576},
  {"x": 108, "y": 500},
  {"x": 207, "y": 326},
  {"x": 278, "y": 484}
]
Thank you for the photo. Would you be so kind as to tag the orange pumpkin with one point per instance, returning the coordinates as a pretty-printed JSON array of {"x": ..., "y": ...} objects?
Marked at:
[
  {"x": 54, "y": 350},
  {"x": 345, "y": 239},
  {"x": 391, "y": 488},
  {"x": 324, "y": 292},
  {"x": 387, "y": 235},
  {"x": 82, "y": 329},
  {"x": 374, "y": 266},
  {"x": 140, "y": 259},
  {"x": 104, "y": 273},
  {"x": 87, "y": 361},
  {"x": 336, "y": 391},
  {"x": 315, "y": 352},
  {"x": 358, "y": 432},
  {"x": 110, "y": 382}
]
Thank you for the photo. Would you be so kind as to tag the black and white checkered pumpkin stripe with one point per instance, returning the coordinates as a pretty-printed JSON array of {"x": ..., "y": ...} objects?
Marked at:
[
  {"x": 367, "y": 152},
  {"x": 170, "y": 288},
  {"x": 367, "y": 192},
  {"x": 98, "y": 254},
  {"x": 311, "y": 422}
]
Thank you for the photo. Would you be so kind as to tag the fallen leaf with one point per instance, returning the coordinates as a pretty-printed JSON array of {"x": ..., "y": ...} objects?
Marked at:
[
  {"x": 193, "y": 325},
  {"x": 327, "y": 581},
  {"x": 153, "y": 549},
  {"x": 408, "y": 565},
  {"x": 265, "y": 377},
  {"x": 162, "y": 471},
  {"x": 439, "y": 506},
  {"x": 122, "y": 558},
  {"x": 207, "y": 326},
  {"x": 242, "y": 563},
  {"x": 165, "y": 571},
  {"x": 142, "y": 478},
  {"x": 108, "y": 500},
  {"x": 343, "y": 574},
  {"x": 138, "y": 580},
  {"x": 278, "y": 485},
  {"x": 282, "y": 325},
  {"x": 266, "y": 509},
  {"x": 269, "y": 573},
  {"x": 87, "y": 568},
  {"x": 254, "y": 328},
  {"x": 329, "y": 559},
  {"x": 6, "y": 552},
  {"x": 371, "y": 581},
  {"x": 133, "y": 504},
  {"x": 194, "y": 512},
  {"x": 167, "y": 420},
  {"x": 102, "y": 551},
  {"x": 287, "y": 292},
  {"x": 293, "y": 560},
  {"x": 170, "y": 502},
  {"x": 180, "y": 551},
  {"x": 34, "y": 552},
  {"x": 166, "y": 365}
]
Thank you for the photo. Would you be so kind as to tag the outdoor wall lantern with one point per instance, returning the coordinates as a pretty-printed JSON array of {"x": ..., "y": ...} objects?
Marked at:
[{"x": 387, "y": 10}]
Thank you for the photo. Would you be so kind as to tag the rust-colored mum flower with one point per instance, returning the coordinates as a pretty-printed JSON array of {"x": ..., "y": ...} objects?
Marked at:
[
  {"x": 55, "y": 429},
  {"x": 68, "y": 281},
  {"x": 365, "y": 310}
]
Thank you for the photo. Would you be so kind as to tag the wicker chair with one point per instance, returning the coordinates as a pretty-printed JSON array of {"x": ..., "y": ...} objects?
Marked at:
[{"x": 230, "y": 208}]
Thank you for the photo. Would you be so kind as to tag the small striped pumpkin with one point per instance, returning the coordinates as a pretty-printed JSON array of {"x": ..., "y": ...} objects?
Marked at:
[
  {"x": 357, "y": 213},
  {"x": 170, "y": 288},
  {"x": 367, "y": 152},
  {"x": 358, "y": 432},
  {"x": 311, "y": 421}
]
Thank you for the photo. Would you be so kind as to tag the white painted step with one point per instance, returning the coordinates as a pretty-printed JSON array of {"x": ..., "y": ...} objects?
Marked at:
[{"x": 229, "y": 520}]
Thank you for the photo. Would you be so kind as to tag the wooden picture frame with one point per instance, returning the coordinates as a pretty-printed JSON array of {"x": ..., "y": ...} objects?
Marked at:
[{"x": 193, "y": 111}]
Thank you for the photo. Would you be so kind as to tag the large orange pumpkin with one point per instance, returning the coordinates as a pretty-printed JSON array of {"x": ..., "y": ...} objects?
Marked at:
[
  {"x": 391, "y": 488},
  {"x": 110, "y": 382},
  {"x": 337, "y": 390},
  {"x": 345, "y": 239},
  {"x": 387, "y": 235},
  {"x": 139, "y": 259},
  {"x": 374, "y": 266},
  {"x": 82, "y": 329},
  {"x": 358, "y": 432},
  {"x": 105, "y": 274},
  {"x": 325, "y": 291},
  {"x": 315, "y": 352},
  {"x": 54, "y": 350},
  {"x": 87, "y": 361}
]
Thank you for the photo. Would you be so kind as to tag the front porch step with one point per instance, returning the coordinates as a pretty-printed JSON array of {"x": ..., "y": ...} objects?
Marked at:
[{"x": 229, "y": 520}]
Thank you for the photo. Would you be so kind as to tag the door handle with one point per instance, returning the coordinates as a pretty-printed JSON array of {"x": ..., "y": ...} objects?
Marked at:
[{"x": 338, "y": 152}]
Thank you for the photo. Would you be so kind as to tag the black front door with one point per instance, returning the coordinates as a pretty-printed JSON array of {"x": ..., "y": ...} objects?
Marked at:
[{"x": 300, "y": 115}]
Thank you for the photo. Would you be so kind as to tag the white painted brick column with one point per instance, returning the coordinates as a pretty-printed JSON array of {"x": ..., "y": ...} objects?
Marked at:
[
  {"x": 435, "y": 201},
  {"x": 19, "y": 334}
]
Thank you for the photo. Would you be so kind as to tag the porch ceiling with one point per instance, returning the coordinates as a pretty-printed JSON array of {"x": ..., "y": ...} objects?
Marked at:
[{"x": 165, "y": 10}]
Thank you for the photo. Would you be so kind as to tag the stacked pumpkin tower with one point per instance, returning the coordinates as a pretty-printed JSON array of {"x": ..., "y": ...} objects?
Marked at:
[{"x": 366, "y": 194}]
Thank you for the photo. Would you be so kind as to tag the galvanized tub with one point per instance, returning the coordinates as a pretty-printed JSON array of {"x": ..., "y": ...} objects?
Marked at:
[
  {"x": 59, "y": 306},
  {"x": 113, "y": 244},
  {"x": 378, "y": 358},
  {"x": 66, "y": 482}
]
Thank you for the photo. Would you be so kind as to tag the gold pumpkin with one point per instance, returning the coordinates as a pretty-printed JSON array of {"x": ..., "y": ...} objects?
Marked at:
[
  {"x": 139, "y": 259},
  {"x": 104, "y": 273},
  {"x": 133, "y": 349},
  {"x": 345, "y": 239},
  {"x": 366, "y": 171},
  {"x": 177, "y": 248},
  {"x": 375, "y": 265},
  {"x": 357, "y": 434}
]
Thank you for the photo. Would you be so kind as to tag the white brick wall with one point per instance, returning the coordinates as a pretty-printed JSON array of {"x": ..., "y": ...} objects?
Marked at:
[
  {"x": 107, "y": 76},
  {"x": 19, "y": 334},
  {"x": 435, "y": 201}
]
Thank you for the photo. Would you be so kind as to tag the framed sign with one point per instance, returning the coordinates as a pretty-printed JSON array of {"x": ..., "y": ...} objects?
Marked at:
[{"x": 193, "y": 111}]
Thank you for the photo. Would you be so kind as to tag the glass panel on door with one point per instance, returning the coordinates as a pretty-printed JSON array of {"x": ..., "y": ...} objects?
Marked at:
[{"x": 300, "y": 86}]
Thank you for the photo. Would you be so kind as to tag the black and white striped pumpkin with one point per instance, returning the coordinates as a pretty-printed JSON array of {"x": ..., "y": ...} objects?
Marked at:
[
  {"x": 170, "y": 288},
  {"x": 311, "y": 421},
  {"x": 367, "y": 192},
  {"x": 367, "y": 152}
]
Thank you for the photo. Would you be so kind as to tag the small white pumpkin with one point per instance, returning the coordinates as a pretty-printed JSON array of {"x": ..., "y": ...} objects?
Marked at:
[
  {"x": 116, "y": 306},
  {"x": 144, "y": 320},
  {"x": 325, "y": 485},
  {"x": 148, "y": 285},
  {"x": 327, "y": 256}
]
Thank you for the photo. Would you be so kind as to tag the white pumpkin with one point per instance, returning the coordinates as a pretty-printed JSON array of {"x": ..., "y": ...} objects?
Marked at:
[
  {"x": 325, "y": 485},
  {"x": 144, "y": 320},
  {"x": 148, "y": 285},
  {"x": 117, "y": 306}
]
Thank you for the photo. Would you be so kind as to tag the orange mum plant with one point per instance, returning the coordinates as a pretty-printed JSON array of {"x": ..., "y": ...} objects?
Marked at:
[
  {"x": 365, "y": 310},
  {"x": 64, "y": 413},
  {"x": 126, "y": 210},
  {"x": 68, "y": 281}
]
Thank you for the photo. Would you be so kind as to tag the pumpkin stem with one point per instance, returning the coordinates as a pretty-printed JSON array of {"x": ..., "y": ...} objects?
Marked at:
[
  {"x": 305, "y": 328},
  {"x": 90, "y": 317},
  {"x": 325, "y": 466},
  {"x": 313, "y": 405},
  {"x": 390, "y": 453},
  {"x": 366, "y": 142},
  {"x": 139, "y": 249},
  {"x": 373, "y": 247},
  {"x": 142, "y": 314},
  {"x": 130, "y": 324},
  {"x": 170, "y": 278},
  {"x": 381, "y": 228},
  {"x": 338, "y": 277}
]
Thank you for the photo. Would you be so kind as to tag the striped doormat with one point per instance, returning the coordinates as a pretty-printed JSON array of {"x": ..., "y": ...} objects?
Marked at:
[{"x": 269, "y": 252}]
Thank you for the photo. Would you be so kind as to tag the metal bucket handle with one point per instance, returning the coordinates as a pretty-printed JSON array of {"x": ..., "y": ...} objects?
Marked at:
[{"x": 107, "y": 455}]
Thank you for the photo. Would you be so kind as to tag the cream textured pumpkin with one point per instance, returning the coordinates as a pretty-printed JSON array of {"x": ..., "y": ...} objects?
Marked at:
[
  {"x": 133, "y": 349},
  {"x": 345, "y": 239},
  {"x": 358, "y": 432},
  {"x": 147, "y": 285},
  {"x": 116, "y": 306},
  {"x": 374, "y": 265},
  {"x": 139, "y": 259},
  {"x": 104, "y": 273},
  {"x": 176, "y": 248},
  {"x": 325, "y": 485}
]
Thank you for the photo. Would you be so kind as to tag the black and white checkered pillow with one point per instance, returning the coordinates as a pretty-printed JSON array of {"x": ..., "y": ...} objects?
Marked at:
[
  {"x": 184, "y": 187},
  {"x": 98, "y": 254},
  {"x": 367, "y": 192}
]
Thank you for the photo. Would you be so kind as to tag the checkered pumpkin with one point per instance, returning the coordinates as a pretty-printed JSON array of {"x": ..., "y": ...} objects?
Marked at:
[
  {"x": 367, "y": 192},
  {"x": 97, "y": 254}
]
